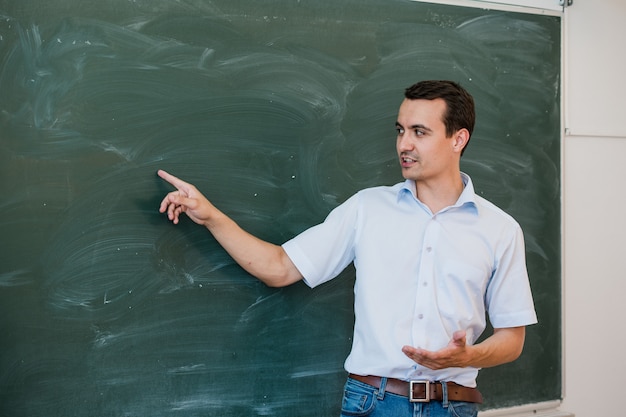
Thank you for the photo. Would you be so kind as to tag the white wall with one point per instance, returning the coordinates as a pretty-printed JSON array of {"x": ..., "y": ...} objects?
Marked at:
[{"x": 594, "y": 205}]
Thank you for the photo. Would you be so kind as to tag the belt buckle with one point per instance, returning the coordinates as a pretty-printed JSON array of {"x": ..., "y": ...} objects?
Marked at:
[{"x": 426, "y": 385}]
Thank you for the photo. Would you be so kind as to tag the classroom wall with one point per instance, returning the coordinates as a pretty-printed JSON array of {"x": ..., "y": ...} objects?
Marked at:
[{"x": 593, "y": 201}]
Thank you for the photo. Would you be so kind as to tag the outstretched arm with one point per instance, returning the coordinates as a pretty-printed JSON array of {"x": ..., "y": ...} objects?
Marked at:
[
  {"x": 266, "y": 261},
  {"x": 505, "y": 345}
]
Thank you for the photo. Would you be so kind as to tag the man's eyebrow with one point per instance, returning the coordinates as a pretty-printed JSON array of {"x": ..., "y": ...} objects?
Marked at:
[{"x": 417, "y": 126}]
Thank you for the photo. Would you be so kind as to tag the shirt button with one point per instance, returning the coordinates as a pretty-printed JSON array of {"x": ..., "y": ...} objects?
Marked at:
[
  {"x": 429, "y": 249},
  {"x": 420, "y": 316}
]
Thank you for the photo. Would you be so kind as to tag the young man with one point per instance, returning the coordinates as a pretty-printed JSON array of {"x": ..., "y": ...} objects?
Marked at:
[{"x": 432, "y": 259}]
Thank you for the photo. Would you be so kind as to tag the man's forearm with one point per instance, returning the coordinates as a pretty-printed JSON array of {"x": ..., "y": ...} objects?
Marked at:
[
  {"x": 503, "y": 346},
  {"x": 264, "y": 260}
]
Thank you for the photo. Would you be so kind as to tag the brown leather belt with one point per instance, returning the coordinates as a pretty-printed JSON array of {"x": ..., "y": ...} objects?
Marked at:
[{"x": 423, "y": 391}]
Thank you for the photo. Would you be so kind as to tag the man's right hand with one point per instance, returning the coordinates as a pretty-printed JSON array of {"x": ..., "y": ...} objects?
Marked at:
[{"x": 186, "y": 199}]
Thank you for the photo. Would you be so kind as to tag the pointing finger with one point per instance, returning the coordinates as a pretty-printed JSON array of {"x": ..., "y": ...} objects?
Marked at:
[{"x": 175, "y": 181}]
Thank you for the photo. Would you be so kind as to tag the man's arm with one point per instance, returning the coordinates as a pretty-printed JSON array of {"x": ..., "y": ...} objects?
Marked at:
[
  {"x": 266, "y": 261},
  {"x": 504, "y": 345}
]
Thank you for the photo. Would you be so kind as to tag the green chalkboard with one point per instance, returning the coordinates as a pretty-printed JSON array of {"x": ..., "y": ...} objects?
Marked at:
[{"x": 278, "y": 110}]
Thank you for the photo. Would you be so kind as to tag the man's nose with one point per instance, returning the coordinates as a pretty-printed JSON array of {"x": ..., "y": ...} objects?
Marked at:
[{"x": 404, "y": 143}]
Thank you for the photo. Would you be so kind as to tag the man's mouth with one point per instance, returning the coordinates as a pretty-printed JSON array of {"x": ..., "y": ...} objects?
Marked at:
[{"x": 407, "y": 160}]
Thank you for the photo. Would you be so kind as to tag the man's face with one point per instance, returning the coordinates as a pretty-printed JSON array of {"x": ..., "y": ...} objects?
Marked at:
[{"x": 424, "y": 150}]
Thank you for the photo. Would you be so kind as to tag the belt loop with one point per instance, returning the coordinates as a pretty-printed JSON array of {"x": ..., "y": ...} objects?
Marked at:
[
  {"x": 444, "y": 394},
  {"x": 381, "y": 390}
]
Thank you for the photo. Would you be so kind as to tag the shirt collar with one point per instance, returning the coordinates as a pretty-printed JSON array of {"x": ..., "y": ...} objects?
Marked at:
[{"x": 467, "y": 197}]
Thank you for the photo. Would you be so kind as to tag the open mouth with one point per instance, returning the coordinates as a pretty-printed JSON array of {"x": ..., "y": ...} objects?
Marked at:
[{"x": 407, "y": 161}]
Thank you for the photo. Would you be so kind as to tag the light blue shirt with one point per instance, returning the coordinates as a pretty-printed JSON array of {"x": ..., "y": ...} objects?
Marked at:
[{"x": 419, "y": 276}]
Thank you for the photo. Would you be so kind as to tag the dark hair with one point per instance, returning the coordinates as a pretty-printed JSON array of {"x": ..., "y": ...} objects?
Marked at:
[{"x": 460, "y": 112}]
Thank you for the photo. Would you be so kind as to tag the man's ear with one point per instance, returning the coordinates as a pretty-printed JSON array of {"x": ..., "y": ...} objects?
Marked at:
[{"x": 461, "y": 137}]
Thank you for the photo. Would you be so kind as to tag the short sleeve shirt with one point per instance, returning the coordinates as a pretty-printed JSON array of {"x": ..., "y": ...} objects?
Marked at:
[{"x": 419, "y": 276}]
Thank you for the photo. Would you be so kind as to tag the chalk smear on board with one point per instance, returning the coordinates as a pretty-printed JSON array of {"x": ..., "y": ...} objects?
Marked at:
[{"x": 14, "y": 278}]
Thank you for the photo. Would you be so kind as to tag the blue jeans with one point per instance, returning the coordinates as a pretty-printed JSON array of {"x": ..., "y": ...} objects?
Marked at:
[{"x": 360, "y": 399}]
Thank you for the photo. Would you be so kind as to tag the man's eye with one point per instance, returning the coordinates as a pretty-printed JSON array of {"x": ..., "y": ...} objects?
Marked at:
[{"x": 399, "y": 130}]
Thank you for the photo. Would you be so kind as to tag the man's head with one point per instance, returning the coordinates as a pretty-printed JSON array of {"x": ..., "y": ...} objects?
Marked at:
[
  {"x": 434, "y": 125},
  {"x": 459, "y": 113}
]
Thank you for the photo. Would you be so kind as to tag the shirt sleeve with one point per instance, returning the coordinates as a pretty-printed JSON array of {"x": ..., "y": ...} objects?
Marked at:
[
  {"x": 323, "y": 251},
  {"x": 509, "y": 298}
]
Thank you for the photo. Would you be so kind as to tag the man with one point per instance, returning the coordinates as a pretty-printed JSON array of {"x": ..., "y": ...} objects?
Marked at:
[{"x": 432, "y": 259}]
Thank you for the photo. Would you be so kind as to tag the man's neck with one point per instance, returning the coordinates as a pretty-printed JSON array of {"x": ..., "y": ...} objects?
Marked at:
[{"x": 439, "y": 194}]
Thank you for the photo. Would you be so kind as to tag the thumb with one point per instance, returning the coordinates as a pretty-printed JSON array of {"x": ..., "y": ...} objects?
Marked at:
[
  {"x": 185, "y": 201},
  {"x": 458, "y": 338}
]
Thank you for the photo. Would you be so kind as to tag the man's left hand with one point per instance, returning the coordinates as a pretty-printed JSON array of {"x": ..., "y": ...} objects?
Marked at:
[{"x": 454, "y": 355}]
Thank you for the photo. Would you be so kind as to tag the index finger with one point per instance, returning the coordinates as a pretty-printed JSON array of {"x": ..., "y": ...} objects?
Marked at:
[{"x": 175, "y": 181}]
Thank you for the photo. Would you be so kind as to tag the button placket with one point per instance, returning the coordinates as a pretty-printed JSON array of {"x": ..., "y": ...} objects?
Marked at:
[{"x": 425, "y": 296}]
